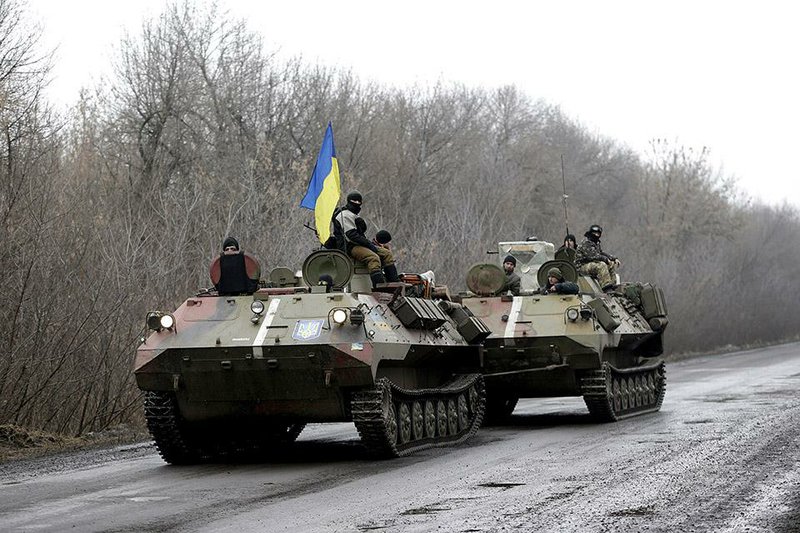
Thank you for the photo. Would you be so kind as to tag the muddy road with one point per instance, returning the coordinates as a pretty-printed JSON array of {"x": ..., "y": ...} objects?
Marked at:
[{"x": 722, "y": 455}]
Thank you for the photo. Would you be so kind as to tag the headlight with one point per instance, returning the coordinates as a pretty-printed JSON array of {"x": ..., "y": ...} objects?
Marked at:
[
  {"x": 156, "y": 320},
  {"x": 339, "y": 316},
  {"x": 586, "y": 313},
  {"x": 257, "y": 307},
  {"x": 572, "y": 314},
  {"x": 167, "y": 321}
]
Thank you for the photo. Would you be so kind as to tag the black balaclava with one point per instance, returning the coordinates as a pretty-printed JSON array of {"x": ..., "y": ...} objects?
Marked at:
[
  {"x": 354, "y": 201},
  {"x": 230, "y": 241}
]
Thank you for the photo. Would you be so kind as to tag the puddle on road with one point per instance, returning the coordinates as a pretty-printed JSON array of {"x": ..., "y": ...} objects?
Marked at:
[
  {"x": 425, "y": 510},
  {"x": 701, "y": 421},
  {"x": 498, "y": 485},
  {"x": 146, "y": 499},
  {"x": 782, "y": 393},
  {"x": 633, "y": 511},
  {"x": 722, "y": 399},
  {"x": 563, "y": 495},
  {"x": 374, "y": 528},
  {"x": 438, "y": 507}
]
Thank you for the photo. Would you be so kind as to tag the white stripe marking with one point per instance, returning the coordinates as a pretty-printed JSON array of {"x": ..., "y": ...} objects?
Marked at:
[
  {"x": 513, "y": 315},
  {"x": 264, "y": 329}
]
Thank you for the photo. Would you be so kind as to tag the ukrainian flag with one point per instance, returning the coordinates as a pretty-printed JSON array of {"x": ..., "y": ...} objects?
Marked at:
[{"x": 325, "y": 187}]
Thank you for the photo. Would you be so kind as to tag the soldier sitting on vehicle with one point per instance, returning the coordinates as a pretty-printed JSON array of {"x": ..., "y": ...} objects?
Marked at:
[
  {"x": 592, "y": 261},
  {"x": 556, "y": 284},
  {"x": 349, "y": 234}
]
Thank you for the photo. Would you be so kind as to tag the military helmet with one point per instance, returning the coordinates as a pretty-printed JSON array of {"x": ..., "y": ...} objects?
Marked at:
[{"x": 595, "y": 231}]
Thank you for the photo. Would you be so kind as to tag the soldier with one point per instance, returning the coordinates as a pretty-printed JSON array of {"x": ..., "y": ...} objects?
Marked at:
[
  {"x": 591, "y": 260},
  {"x": 383, "y": 239},
  {"x": 233, "y": 277},
  {"x": 567, "y": 250},
  {"x": 569, "y": 242},
  {"x": 513, "y": 281},
  {"x": 349, "y": 234},
  {"x": 556, "y": 284}
]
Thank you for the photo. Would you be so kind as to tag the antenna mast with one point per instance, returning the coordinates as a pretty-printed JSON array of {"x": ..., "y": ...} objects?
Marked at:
[{"x": 565, "y": 196}]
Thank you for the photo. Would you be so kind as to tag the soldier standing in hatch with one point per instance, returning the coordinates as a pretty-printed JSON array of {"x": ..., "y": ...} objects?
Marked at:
[
  {"x": 591, "y": 260},
  {"x": 513, "y": 281},
  {"x": 556, "y": 284},
  {"x": 233, "y": 276},
  {"x": 567, "y": 250},
  {"x": 349, "y": 235}
]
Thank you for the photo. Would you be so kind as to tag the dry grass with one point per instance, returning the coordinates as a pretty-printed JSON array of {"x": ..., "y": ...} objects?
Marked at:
[{"x": 17, "y": 442}]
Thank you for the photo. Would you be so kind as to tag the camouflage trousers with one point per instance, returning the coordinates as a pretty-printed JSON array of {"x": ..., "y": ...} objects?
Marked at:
[
  {"x": 375, "y": 261},
  {"x": 604, "y": 274}
]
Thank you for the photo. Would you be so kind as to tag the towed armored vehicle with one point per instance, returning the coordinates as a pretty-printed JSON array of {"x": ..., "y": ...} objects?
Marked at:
[
  {"x": 601, "y": 346},
  {"x": 235, "y": 373}
]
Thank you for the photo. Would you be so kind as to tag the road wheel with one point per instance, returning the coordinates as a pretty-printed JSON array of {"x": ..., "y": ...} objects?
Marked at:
[
  {"x": 404, "y": 423},
  {"x": 417, "y": 421},
  {"x": 640, "y": 400},
  {"x": 634, "y": 399},
  {"x": 430, "y": 420},
  {"x": 452, "y": 417},
  {"x": 390, "y": 419},
  {"x": 441, "y": 418},
  {"x": 651, "y": 389},
  {"x": 473, "y": 399},
  {"x": 463, "y": 412},
  {"x": 616, "y": 393},
  {"x": 623, "y": 392}
]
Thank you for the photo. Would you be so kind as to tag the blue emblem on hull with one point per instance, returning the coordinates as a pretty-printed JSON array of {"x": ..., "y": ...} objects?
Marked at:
[{"x": 305, "y": 330}]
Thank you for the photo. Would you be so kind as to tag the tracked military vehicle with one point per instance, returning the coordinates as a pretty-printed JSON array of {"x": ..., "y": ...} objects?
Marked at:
[
  {"x": 602, "y": 346},
  {"x": 230, "y": 374}
]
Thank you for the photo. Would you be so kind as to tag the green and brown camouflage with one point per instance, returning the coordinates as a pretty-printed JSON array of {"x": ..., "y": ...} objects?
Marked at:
[
  {"x": 238, "y": 373},
  {"x": 602, "y": 346}
]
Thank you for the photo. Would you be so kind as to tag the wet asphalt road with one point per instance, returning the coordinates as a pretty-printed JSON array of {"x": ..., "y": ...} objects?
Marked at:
[{"x": 722, "y": 455}]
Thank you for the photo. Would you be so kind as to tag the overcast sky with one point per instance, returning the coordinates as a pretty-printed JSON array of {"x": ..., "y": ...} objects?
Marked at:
[{"x": 724, "y": 75}]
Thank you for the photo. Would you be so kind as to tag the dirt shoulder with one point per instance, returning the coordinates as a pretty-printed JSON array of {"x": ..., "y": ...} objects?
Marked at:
[{"x": 18, "y": 443}]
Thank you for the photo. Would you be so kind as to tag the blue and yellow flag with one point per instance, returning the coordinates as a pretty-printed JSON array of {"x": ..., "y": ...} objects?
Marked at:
[{"x": 325, "y": 187}]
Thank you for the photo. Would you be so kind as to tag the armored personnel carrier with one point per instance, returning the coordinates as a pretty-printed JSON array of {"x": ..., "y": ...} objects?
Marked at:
[
  {"x": 230, "y": 374},
  {"x": 602, "y": 346}
]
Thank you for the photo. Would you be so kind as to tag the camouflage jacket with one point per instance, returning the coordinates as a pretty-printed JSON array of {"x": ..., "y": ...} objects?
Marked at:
[{"x": 589, "y": 252}]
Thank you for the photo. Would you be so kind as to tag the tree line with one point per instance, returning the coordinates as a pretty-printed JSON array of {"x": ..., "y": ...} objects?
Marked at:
[{"x": 117, "y": 206}]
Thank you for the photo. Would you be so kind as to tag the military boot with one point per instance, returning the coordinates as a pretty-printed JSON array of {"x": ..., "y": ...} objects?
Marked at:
[
  {"x": 377, "y": 277},
  {"x": 391, "y": 273}
]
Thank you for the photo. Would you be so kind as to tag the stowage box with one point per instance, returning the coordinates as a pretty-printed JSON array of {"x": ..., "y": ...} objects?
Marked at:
[{"x": 418, "y": 313}]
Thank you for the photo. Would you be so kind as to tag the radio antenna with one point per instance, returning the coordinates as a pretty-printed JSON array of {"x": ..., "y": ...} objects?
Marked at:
[{"x": 565, "y": 196}]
